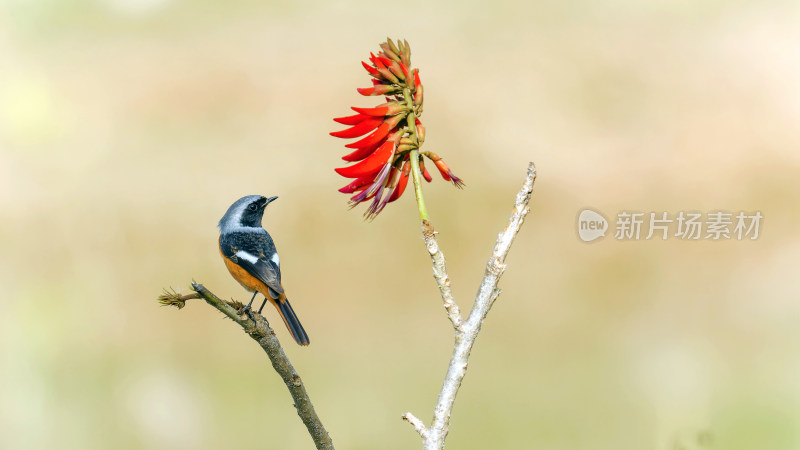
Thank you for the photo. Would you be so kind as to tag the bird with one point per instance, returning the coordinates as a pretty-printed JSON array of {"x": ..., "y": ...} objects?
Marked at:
[{"x": 252, "y": 259}]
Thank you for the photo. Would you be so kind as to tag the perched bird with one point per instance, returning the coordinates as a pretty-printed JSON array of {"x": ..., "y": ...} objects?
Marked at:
[{"x": 251, "y": 257}]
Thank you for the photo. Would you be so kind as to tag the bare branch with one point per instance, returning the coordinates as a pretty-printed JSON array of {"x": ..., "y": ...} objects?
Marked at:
[
  {"x": 467, "y": 331},
  {"x": 440, "y": 274},
  {"x": 261, "y": 332},
  {"x": 417, "y": 424}
]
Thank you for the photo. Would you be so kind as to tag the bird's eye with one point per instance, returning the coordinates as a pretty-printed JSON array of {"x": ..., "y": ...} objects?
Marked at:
[{"x": 253, "y": 207}]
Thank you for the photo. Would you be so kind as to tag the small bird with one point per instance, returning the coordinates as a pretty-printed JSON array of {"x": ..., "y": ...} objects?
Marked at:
[{"x": 251, "y": 257}]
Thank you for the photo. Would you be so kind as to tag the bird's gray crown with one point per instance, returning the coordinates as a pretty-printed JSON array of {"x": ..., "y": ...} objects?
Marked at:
[{"x": 240, "y": 216}]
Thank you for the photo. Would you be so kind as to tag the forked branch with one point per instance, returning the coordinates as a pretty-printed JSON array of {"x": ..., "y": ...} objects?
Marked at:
[{"x": 466, "y": 331}]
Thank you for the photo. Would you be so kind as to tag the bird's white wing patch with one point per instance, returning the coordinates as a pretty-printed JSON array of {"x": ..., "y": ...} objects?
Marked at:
[
  {"x": 247, "y": 256},
  {"x": 276, "y": 259}
]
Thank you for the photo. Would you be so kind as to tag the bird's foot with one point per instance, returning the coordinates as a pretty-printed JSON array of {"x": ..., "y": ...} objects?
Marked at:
[{"x": 248, "y": 311}]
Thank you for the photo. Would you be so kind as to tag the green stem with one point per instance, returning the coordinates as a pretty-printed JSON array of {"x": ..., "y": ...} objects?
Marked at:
[
  {"x": 423, "y": 212},
  {"x": 411, "y": 121}
]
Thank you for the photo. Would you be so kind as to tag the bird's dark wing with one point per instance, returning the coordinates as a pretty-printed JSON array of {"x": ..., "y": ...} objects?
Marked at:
[
  {"x": 264, "y": 270},
  {"x": 256, "y": 254}
]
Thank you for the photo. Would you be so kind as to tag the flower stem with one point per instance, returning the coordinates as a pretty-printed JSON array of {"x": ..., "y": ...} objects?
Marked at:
[
  {"x": 423, "y": 211},
  {"x": 411, "y": 120}
]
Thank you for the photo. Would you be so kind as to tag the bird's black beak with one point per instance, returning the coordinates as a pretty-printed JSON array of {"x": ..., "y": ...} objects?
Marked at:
[{"x": 268, "y": 200}]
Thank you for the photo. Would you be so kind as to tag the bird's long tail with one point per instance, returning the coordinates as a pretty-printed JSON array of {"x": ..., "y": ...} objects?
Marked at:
[{"x": 291, "y": 320}]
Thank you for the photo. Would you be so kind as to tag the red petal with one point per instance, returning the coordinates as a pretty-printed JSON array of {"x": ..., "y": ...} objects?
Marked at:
[
  {"x": 380, "y": 111},
  {"x": 443, "y": 169},
  {"x": 360, "y": 129},
  {"x": 371, "y": 165},
  {"x": 401, "y": 183},
  {"x": 351, "y": 120},
  {"x": 387, "y": 109},
  {"x": 425, "y": 173},
  {"x": 357, "y": 184},
  {"x": 378, "y": 63},
  {"x": 416, "y": 78},
  {"x": 373, "y": 138},
  {"x": 378, "y": 89},
  {"x": 370, "y": 69},
  {"x": 362, "y": 153}
]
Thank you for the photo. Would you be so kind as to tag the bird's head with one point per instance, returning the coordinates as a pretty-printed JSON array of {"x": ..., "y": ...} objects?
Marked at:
[{"x": 245, "y": 213}]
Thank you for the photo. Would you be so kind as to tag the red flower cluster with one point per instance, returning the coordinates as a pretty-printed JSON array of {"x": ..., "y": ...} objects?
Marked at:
[{"x": 383, "y": 156}]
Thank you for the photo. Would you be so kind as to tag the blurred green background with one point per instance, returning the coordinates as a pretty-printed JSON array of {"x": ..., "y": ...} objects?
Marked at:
[{"x": 127, "y": 127}]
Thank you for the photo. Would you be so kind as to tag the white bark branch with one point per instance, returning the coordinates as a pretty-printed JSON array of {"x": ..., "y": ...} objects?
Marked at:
[
  {"x": 467, "y": 331},
  {"x": 440, "y": 274},
  {"x": 417, "y": 424}
]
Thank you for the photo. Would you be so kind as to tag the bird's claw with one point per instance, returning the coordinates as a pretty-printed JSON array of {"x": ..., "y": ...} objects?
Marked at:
[{"x": 248, "y": 311}]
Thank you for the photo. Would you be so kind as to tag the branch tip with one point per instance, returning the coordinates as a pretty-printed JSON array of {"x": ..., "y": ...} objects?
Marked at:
[
  {"x": 419, "y": 427},
  {"x": 170, "y": 297}
]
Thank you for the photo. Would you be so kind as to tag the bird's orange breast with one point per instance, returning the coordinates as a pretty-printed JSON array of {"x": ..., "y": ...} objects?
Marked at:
[{"x": 244, "y": 278}]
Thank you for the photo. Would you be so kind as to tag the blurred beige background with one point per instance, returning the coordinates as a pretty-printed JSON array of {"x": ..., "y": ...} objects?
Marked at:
[{"x": 127, "y": 127}]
